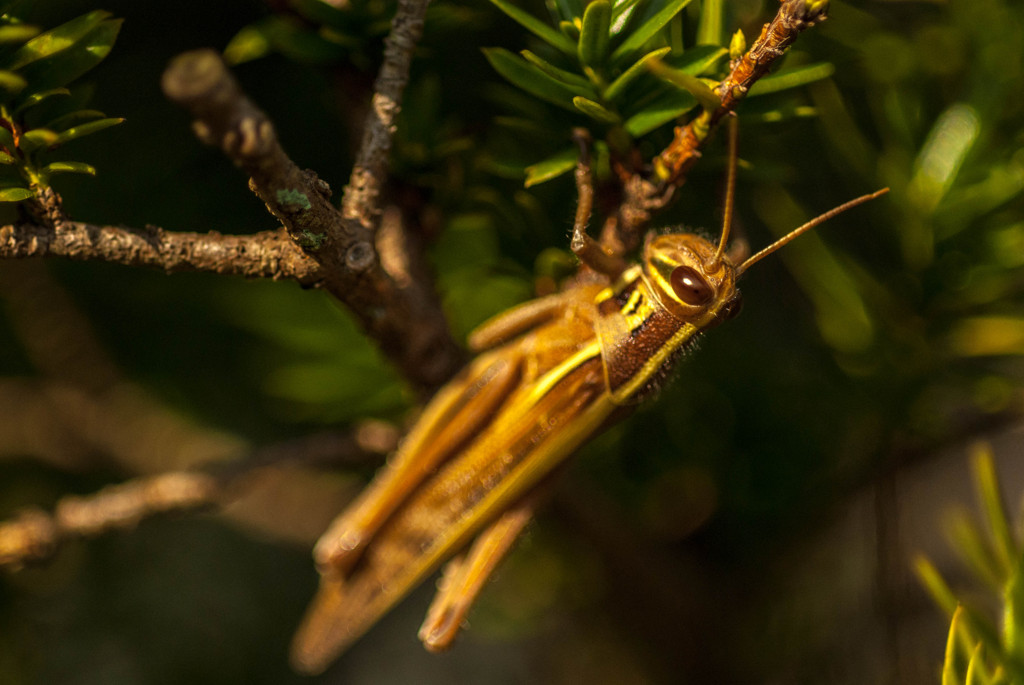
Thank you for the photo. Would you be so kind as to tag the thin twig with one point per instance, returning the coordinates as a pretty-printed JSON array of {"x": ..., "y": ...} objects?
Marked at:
[
  {"x": 793, "y": 17},
  {"x": 269, "y": 254},
  {"x": 361, "y": 199},
  {"x": 641, "y": 195},
  {"x": 400, "y": 252},
  {"x": 33, "y": 535}
]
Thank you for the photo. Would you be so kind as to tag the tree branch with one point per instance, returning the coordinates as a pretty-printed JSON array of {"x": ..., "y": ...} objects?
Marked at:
[
  {"x": 269, "y": 254},
  {"x": 361, "y": 200},
  {"x": 381, "y": 279},
  {"x": 200, "y": 82},
  {"x": 404, "y": 319}
]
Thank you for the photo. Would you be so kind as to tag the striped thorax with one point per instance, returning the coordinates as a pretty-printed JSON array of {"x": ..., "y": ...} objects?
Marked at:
[{"x": 656, "y": 309}]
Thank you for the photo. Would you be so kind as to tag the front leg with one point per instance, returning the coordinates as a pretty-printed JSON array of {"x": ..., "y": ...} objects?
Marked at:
[{"x": 589, "y": 251}]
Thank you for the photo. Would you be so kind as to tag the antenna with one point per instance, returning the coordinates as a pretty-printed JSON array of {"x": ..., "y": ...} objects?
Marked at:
[
  {"x": 730, "y": 190},
  {"x": 813, "y": 223}
]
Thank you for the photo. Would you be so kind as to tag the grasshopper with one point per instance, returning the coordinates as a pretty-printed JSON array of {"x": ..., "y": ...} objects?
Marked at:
[{"x": 548, "y": 376}]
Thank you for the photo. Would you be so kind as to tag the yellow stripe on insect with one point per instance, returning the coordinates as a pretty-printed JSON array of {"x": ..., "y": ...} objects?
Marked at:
[
  {"x": 552, "y": 377},
  {"x": 623, "y": 393},
  {"x": 632, "y": 304},
  {"x": 661, "y": 284},
  {"x": 638, "y": 309}
]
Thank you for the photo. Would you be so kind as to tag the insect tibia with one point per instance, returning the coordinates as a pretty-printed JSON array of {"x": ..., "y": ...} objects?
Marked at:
[{"x": 594, "y": 255}]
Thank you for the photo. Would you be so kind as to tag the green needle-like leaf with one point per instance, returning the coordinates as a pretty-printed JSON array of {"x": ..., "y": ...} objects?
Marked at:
[
  {"x": 935, "y": 584},
  {"x": 643, "y": 33},
  {"x": 567, "y": 77},
  {"x": 530, "y": 78},
  {"x": 7, "y": 159},
  {"x": 952, "y": 136},
  {"x": 296, "y": 42},
  {"x": 710, "y": 29},
  {"x": 10, "y": 84},
  {"x": 552, "y": 167},
  {"x": 56, "y": 40},
  {"x": 697, "y": 61},
  {"x": 248, "y": 44},
  {"x": 622, "y": 12},
  {"x": 995, "y": 511},
  {"x": 976, "y": 551},
  {"x": 593, "y": 45},
  {"x": 38, "y": 138},
  {"x": 536, "y": 27},
  {"x": 36, "y": 98},
  {"x": 70, "y": 168},
  {"x": 86, "y": 129},
  {"x": 15, "y": 194},
  {"x": 76, "y": 118},
  {"x": 949, "y": 674},
  {"x": 667, "y": 107},
  {"x": 595, "y": 110},
  {"x": 1013, "y": 620},
  {"x": 792, "y": 79},
  {"x": 976, "y": 669},
  {"x": 17, "y": 33},
  {"x": 617, "y": 86},
  {"x": 65, "y": 66},
  {"x": 989, "y": 637},
  {"x": 691, "y": 84}
]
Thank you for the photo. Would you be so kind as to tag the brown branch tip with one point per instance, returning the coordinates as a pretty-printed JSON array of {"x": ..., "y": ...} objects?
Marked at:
[{"x": 793, "y": 17}]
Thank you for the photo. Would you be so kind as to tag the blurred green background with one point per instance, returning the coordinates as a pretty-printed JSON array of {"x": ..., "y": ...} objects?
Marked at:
[{"x": 752, "y": 525}]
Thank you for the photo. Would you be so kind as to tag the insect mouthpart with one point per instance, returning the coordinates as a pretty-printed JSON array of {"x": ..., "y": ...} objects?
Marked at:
[{"x": 731, "y": 308}]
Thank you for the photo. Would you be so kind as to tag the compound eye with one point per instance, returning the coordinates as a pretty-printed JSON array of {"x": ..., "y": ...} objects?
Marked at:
[{"x": 690, "y": 286}]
